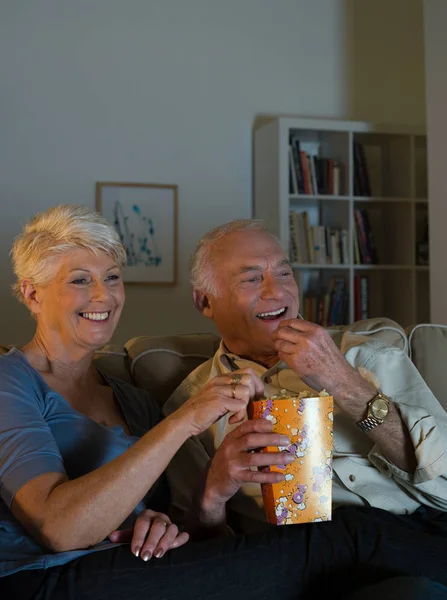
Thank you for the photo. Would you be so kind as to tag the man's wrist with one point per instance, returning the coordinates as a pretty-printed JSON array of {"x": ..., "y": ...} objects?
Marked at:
[
  {"x": 354, "y": 397},
  {"x": 208, "y": 518},
  {"x": 212, "y": 506}
]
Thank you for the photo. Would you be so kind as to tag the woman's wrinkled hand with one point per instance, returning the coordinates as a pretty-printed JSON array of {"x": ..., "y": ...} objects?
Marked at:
[
  {"x": 223, "y": 394},
  {"x": 152, "y": 535}
]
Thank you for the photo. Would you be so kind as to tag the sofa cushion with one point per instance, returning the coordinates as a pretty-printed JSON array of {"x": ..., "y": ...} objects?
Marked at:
[
  {"x": 114, "y": 361},
  {"x": 428, "y": 351},
  {"x": 381, "y": 329},
  {"x": 160, "y": 363}
]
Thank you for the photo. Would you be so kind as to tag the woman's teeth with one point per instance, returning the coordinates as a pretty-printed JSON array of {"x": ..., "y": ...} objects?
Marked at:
[{"x": 95, "y": 316}]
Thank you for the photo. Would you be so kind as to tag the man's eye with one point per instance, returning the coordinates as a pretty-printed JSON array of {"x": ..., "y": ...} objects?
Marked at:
[
  {"x": 286, "y": 274},
  {"x": 252, "y": 280}
]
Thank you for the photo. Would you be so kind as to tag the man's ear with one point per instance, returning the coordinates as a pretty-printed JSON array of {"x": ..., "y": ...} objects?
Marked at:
[
  {"x": 31, "y": 296},
  {"x": 202, "y": 303}
]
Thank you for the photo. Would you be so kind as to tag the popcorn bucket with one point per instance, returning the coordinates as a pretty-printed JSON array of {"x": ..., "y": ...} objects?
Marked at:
[{"x": 305, "y": 495}]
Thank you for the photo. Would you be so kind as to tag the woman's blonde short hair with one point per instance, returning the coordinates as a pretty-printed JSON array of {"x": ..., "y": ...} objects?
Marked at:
[{"x": 56, "y": 231}]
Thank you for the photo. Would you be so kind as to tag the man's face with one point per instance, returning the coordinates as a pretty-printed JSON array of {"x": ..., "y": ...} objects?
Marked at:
[{"x": 257, "y": 291}]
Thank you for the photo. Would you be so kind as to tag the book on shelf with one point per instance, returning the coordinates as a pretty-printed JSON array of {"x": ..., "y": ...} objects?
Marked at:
[
  {"x": 365, "y": 251},
  {"x": 310, "y": 174},
  {"x": 316, "y": 244},
  {"x": 344, "y": 241},
  {"x": 329, "y": 307},
  {"x": 309, "y": 237},
  {"x": 362, "y": 186},
  {"x": 296, "y": 164},
  {"x": 293, "y": 183},
  {"x": 293, "y": 250},
  {"x": 319, "y": 238}
]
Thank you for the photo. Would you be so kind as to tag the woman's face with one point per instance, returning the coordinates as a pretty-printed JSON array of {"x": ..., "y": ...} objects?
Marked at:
[{"x": 84, "y": 301}]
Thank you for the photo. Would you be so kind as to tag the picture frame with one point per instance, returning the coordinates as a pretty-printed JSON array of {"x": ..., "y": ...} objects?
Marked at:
[{"x": 145, "y": 217}]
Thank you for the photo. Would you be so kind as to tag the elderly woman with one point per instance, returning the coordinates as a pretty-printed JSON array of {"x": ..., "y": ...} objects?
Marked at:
[{"x": 82, "y": 455}]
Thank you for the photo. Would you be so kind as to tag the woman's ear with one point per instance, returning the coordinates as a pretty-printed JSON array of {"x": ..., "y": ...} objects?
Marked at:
[
  {"x": 202, "y": 303},
  {"x": 32, "y": 298}
]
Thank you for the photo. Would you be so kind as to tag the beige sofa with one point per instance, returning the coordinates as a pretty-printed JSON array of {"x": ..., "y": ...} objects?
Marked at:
[{"x": 159, "y": 363}]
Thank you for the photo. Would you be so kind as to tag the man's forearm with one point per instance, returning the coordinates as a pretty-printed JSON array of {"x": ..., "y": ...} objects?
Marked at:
[
  {"x": 391, "y": 436},
  {"x": 207, "y": 517}
]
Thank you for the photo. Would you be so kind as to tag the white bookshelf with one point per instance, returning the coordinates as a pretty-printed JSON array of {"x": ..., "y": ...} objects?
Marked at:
[{"x": 398, "y": 287}]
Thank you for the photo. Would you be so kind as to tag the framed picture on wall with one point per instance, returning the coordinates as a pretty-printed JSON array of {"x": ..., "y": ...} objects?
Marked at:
[{"x": 145, "y": 217}]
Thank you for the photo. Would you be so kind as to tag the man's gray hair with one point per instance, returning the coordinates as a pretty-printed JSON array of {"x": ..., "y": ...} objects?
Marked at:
[
  {"x": 58, "y": 230},
  {"x": 202, "y": 268}
]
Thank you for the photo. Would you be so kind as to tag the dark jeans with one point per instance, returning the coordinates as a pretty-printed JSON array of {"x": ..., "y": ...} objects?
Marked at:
[
  {"x": 402, "y": 588},
  {"x": 359, "y": 548}
]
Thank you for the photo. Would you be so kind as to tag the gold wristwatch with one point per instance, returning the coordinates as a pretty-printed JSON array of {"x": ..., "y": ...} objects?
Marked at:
[{"x": 378, "y": 409}]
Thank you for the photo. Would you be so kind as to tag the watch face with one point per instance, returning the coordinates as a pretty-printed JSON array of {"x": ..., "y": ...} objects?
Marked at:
[{"x": 379, "y": 408}]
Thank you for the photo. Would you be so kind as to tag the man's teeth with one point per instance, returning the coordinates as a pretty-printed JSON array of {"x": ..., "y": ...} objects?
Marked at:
[
  {"x": 95, "y": 316},
  {"x": 273, "y": 313}
]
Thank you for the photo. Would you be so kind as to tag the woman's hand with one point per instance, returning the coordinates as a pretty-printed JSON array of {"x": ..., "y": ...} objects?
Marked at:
[
  {"x": 221, "y": 395},
  {"x": 152, "y": 535}
]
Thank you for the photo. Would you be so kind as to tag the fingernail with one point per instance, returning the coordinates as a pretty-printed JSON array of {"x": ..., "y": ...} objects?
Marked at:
[
  {"x": 137, "y": 551},
  {"x": 284, "y": 440},
  {"x": 289, "y": 458},
  {"x": 146, "y": 555},
  {"x": 158, "y": 552}
]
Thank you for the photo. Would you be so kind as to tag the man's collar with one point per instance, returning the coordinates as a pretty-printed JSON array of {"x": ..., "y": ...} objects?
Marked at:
[
  {"x": 229, "y": 361},
  {"x": 226, "y": 362}
]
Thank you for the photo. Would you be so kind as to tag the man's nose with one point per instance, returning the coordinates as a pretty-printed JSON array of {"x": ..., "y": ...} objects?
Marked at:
[{"x": 271, "y": 288}]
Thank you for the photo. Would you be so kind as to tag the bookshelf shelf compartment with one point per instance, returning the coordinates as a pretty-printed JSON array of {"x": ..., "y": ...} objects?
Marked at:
[
  {"x": 376, "y": 173},
  {"x": 331, "y": 198},
  {"x": 315, "y": 266},
  {"x": 383, "y": 267},
  {"x": 389, "y": 200}
]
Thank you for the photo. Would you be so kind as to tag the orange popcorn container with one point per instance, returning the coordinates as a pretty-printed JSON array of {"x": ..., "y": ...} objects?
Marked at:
[{"x": 305, "y": 495}]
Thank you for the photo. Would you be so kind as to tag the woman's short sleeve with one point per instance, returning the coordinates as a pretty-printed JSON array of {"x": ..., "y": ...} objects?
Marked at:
[{"x": 27, "y": 446}]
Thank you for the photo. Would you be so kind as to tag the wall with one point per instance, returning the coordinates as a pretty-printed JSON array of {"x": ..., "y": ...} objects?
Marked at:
[
  {"x": 168, "y": 91},
  {"x": 385, "y": 57},
  {"x": 435, "y": 13}
]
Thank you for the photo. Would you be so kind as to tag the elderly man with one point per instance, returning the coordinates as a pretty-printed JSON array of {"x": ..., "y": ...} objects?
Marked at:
[
  {"x": 389, "y": 433},
  {"x": 389, "y": 429}
]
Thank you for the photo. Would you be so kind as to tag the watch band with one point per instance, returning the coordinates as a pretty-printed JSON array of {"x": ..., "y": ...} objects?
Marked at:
[{"x": 369, "y": 423}]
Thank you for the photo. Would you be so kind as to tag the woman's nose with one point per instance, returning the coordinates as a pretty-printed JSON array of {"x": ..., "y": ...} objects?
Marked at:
[{"x": 99, "y": 291}]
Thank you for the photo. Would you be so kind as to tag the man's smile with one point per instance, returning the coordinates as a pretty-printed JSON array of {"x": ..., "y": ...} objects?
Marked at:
[{"x": 272, "y": 315}]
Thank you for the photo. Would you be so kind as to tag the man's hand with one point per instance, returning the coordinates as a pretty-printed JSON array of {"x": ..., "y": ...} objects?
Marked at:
[
  {"x": 309, "y": 350},
  {"x": 221, "y": 396},
  {"x": 231, "y": 465},
  {"x": 152, "y": 535}
]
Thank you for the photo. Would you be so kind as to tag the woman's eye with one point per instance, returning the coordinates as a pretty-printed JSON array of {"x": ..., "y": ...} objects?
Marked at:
[
  {"x": 79, "y": 281},
  {"x": 113, "y": 277}
]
